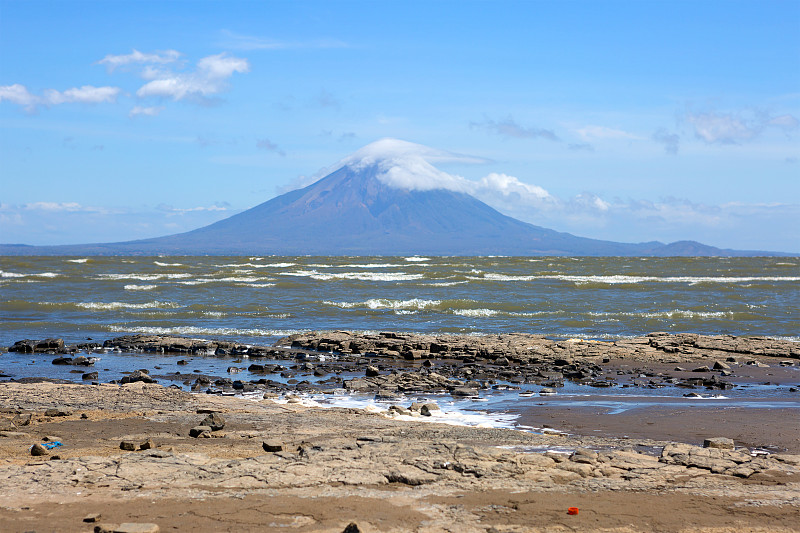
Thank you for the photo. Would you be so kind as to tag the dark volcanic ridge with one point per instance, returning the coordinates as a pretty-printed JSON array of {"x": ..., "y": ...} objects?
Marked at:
[{"x": 383, "y": 200}]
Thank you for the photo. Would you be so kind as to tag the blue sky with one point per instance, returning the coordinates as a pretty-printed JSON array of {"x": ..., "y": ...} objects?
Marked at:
[{"x": 628, "y": 121}]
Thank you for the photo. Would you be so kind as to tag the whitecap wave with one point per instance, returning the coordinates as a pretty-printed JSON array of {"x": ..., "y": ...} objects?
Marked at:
[
  {"x": 196, "y": 330},
  {"x": 621, "y": 278},
  {"x": 417, "y": 259},
  {"x": 140, "y": 287},
  {"x": 142, "y": 277},
  {"x": 159, "y": 263},
  {"x": 384, "y": 303},
  {"x": 78, "y": 260},
  {"x": 109, "y": 306},
  {"x": 474, "y": 313},
  {"x": 360, "y": 276}
]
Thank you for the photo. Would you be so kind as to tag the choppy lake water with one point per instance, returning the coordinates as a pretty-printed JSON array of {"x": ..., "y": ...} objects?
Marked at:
[{"x": 258, "y": 299}]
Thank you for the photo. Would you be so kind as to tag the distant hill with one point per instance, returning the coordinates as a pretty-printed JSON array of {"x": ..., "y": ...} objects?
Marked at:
[{"x": 362, "y": 208}]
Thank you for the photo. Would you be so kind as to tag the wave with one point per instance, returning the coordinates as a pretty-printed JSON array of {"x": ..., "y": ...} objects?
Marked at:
[
  {"x": 253, "y": 265},
  {"x": 621, "y": 278},
  {"x": 383, "y": 303},
  {"x": 360, "y": 276},
  {"x": 675, "y": 313},
  {"x": 159, "y": 263},
  {"x": 108, "y": 306},
  {"x": 5, "y": 274},
  {"x": 139, "y": 287},
  {"x": 476, "y": 312},
  {"x": 417, "y": 259},
  {"x": 85, "y": 259},
  {"x": 142, "y": 277},
  {"x": 196, "y": 330}
]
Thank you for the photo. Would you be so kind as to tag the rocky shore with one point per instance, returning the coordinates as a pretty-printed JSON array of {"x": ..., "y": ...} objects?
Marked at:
[{"x": 142, "y": 457}]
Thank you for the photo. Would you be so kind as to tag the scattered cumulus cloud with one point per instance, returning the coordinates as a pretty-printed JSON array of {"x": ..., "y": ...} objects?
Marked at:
[
  {"x": 207, "y": 79},
  {"x": 581, "y": 147},
  {"x": 670, "y": 141},
  {"x": 136, "y": 57},
  {"x": 87, "y": 94},
  {"x": 145, "y": 111},
  {"x": 509, "y": 128},
  {"x": 269, "y": 146},
  {"x": 730, "y": 128},
  {"x": 171, "y": 210}
]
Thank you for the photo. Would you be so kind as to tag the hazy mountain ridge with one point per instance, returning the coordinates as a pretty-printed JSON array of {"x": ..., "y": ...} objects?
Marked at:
[{"x": 362, "y": 209}]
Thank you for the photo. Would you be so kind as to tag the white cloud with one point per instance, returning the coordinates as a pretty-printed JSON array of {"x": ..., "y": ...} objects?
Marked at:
[
  {"x": 146, "y": 111},
  {"x": 728, "y": 128},
  {"x": 209, "y": 78},
  {"x": 588, "y": 133},
  {"x": 170, "y": 210},
  {"x": 787, "y": 122},
  {"x": 508, "y": 127},
  {"x": 87, "y": 94},
  {"x": 136, "y": 57},
  {"x": 722, "y": 128},
  {"x": 18, "y": 94},
  {"x": 511, "y": 187}
]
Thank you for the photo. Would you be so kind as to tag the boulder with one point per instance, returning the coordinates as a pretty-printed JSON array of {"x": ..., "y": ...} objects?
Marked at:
[
  {"x": 718, "y": 442},
  {"x": 53, "y": 412},
  {"x": 200, "y": 432},
  {"x": 272, "y": 446},
  {"x": 37, "y": 450},
  {"x": 215, "y": 421},
  {"x": 127, "y": 445},
  {"x": 137, "y": 375}
]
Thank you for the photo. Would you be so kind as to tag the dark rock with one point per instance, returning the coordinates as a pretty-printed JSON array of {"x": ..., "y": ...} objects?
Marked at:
[
  {"x": 37, "y": 450},
  {"x": 272, "y": 446},
  {"x": 200, "y": 432},
  {"x": 352, "y": 527},
  {"x": 52, "y": 412},
  {"x": 62, "y": 361},
  {"x": 137, "y": 375},
  {"x": 147, "y": 445},
  {"x": 90, "y": 376},
  {"x": 92, "y": 517},
  {"x": 372, "y": 372},
  {"x": 127, "y": 445},
  {"x": 215, "y": 421},
  {"x": 21, "y": 420}
]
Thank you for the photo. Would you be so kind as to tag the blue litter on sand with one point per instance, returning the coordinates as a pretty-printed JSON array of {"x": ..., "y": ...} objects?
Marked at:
[{"x": 51, "y": 445}]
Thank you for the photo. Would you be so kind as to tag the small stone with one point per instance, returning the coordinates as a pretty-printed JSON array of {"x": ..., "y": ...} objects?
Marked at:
[
  {"x": 718, "y": 442},
  {"x": 105, "y": 528},
  {"x": 93, "y": 517},
  {"x": 352, "y": 527},
  {"x": 215, "y": 421},
  {"x": 147, "y": 445},
  {"x": 90, "y": 375},
  {"x": 37, "y": 450},
  {"x": 272, "y": 446},
  {"x": 200, "y": 432},
  {"x": 372, "y": 372},
  {"x": 57, "y": 412},
  {"x": 428, "y": 408},
  {"x": 719, "y": 365},
  {"x": 21, "y": 420},
  {"x": 127, "y": 445}
]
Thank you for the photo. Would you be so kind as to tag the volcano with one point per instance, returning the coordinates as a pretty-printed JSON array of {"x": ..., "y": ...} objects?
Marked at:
[{"x": 385, "y": 199}]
